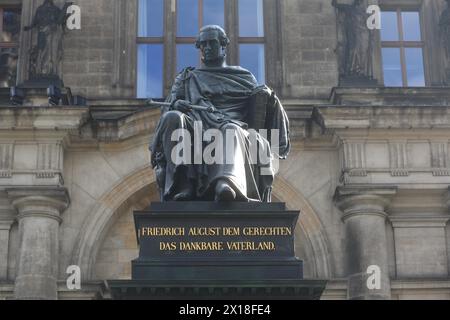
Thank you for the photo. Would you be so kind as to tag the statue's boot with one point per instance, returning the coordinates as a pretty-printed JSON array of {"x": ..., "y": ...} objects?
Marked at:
[
  {"x": 224, "y": 192},
  {"x": 186, "y": 193}
]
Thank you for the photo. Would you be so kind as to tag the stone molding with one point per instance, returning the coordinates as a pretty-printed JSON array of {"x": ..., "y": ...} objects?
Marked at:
[
  {"x": 7, "y": 211},
  {"x": 58, "y": 119},
  {"x": 39, "y": 201},
  {"x": 434, "y": 96},
  {"x": 448, "y": 198},
  {"x": 384, "y": 117},
  {"x": 353, "y": 201},
  {"x": 408, "y": 221}
]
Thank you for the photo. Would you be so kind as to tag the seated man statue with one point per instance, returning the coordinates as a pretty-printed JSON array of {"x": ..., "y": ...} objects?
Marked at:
[{"x": 232, "y": 100}]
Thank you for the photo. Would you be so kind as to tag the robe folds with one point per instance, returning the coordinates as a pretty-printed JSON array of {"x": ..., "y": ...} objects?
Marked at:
[{"x": 229, "y": 90}]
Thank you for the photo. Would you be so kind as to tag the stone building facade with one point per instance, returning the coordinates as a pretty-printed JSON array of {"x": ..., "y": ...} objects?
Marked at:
[{"x": 369, "y": 168}]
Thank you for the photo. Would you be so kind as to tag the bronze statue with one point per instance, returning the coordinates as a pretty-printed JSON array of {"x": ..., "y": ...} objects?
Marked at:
[
  {"x": 228, "y": 99},
  {"x": 46, "y": 55},
  {"x": 444, "y": 25},
  {"x": 355, "y": 40}
]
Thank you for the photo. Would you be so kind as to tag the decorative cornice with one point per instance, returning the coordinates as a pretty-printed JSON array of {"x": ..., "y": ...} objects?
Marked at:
[
  {"x": 5, "y": 224},
  {"x": 47, "y": 202},
  {"x": 363, "y": 200},
  {"x": 448, "y": 198},
  {"x": 432, "y": 96},
  {"x": 42, "y": 118},
  {"x": 7, "y": 211},
  {"x": 383, "y": 117},
  {"x": 416, "y": 221}
]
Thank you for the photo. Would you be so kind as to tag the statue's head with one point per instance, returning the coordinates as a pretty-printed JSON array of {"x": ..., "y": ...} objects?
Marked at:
[
  {"x": 48, "y": 3},
  {"x": 212, "y": 41}
]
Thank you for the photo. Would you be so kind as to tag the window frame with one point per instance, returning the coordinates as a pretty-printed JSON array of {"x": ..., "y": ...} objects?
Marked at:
[
  {"x": 190, "y": 40},
  {"x": 12, "y": 44},
  {"x": 170, "y": 40},
  {"x": 402, "y": 44},
  {"x": 2, "y": 43}
]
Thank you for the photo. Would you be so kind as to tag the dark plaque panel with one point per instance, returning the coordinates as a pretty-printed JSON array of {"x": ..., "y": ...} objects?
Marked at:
[{"x": 202, "y": 241}]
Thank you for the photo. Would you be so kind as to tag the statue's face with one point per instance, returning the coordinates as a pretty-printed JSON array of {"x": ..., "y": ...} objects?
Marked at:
[{"x": 210, "y": 46}]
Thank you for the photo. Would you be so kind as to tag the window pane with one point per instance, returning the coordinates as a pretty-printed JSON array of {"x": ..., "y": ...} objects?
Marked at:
[
  {"x": 251, "y": 18},
  {"x": 252, "y": 58},
  {"x": 414, "y": 67},
  {"x": 187, "y": 18},
  {"x": 213, "y": 12},
  {"x": 151, "y": 13},
  {"x": 389, "y": 26},
  {"x": 187, "y": 56},
  {"x": 11, "y": 25},
  {"x": 8, "y": 67},
  {"x": 411, "y": 26},
  {"x": 150, "y": 71},
  {"x": 392, "y": 67}
]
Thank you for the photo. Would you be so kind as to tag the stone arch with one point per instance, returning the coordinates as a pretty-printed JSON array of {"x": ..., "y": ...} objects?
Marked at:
[
  {"x": 317, "y": 247},
  {"x": 101, "y": 219}
]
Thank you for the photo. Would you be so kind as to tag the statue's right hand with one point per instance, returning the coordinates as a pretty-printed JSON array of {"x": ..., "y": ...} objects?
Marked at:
[{"x": 182, "y": 105}]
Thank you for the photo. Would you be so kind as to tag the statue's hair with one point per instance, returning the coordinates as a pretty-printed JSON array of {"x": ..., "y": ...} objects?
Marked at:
[{"x": 224, "y": 41}]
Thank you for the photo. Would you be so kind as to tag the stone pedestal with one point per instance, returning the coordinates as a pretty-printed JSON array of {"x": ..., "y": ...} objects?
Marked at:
[
  {"x": 39, "y": 218},
  {"x": 207, "y": 250},
  {"x": 365, "y": 222}
]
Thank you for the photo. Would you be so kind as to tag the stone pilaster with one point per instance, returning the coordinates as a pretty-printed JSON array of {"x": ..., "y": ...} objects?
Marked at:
[
  {"x": 7, "y": 217},
  {"x": 364, "y": 215},
  {"x": 448, "y": 198},
  {"x": 39, "y": 212}
]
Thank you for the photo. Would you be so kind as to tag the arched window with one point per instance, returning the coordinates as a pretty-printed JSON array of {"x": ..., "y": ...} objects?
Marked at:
[{"x": 167, "y": 30}]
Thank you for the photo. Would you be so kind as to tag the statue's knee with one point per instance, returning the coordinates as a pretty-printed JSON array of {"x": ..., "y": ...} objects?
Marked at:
[
  {"x": 230, "y": 126},
  {"x": 172, "y": 118}
]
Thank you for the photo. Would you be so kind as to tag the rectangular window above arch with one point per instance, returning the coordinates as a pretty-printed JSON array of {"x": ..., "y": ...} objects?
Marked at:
[
  {"x": 167, "y": 30},
  {"x": 402, "y": 47},
  {"x": 10, "y": 22}
]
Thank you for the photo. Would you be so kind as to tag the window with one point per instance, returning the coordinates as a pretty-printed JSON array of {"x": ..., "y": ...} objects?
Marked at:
[
  {"x": 251, "y": 37},
  {"x": 150, "y": 48},
  {"x": 9, "y": 43},
  {"x": 191, "y": 16},
  {"x": 167, "y": 31},
  {"x": 402, "y": 49}
]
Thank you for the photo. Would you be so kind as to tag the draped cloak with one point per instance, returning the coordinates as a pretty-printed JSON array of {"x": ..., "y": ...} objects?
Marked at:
[{"x": 227, "y": 89}]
